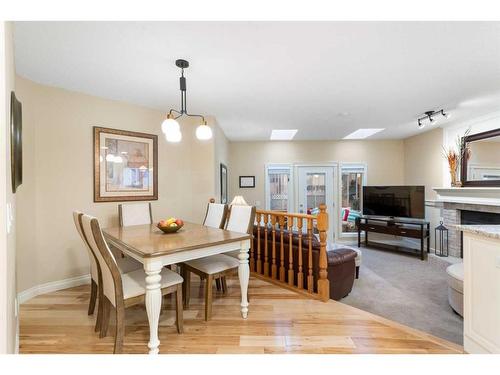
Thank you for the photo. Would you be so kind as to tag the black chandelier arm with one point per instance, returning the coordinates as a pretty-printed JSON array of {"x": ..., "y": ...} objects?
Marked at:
[
  {"x": 173, "y": 110},
  {"x": 202, "y": 118},
  {"x": 183, "y": 88},
  {"x": 180, "y": 114}
]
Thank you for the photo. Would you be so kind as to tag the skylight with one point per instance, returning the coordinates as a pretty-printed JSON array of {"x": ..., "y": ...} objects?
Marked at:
[
  {"x": 283, "y": 134},
  {"x": 362, "y": 133}
]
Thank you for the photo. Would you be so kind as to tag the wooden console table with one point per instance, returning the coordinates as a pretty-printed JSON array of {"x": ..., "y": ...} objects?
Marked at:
[{"x": 410, "y": 228}]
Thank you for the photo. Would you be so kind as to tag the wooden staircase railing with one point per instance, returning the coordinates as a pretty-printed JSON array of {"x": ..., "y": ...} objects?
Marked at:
[{"x": 263, "y": 260}]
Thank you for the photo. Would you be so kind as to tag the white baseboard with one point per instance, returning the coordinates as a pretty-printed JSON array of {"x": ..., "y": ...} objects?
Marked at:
[{"x": 52, "y": 286}]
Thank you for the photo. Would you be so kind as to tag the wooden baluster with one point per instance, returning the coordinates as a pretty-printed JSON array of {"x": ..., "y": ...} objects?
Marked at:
[
  {"x": 290, "y": 250},
  {"x": 323, "y": 284},
  {"x": 282, "y": 248},
  {"x": 310, "y": 278},
  {"x": 251, "y": 261},
  {"x": 259, "y": 260},
  {"x": 300, "y": 275},
  {"x": 266, "y": 252},
  {"x": 274, "y": 269}
]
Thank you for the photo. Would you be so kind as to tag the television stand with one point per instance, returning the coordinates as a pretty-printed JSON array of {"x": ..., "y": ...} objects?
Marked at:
[{"x": 408, "y": 228}]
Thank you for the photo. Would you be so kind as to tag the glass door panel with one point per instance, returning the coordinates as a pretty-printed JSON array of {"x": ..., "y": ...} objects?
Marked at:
[
  {"x": 352, "y": 179},
  {"x": 279, "y": 189},
  {"x": 315, "y": 187}
]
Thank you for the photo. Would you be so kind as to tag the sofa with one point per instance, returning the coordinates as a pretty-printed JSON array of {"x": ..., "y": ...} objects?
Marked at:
[{"x": 341, "y": 261}]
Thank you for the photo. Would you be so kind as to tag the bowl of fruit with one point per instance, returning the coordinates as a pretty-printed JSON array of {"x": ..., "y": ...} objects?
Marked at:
[{"x": 170, "y": 225}]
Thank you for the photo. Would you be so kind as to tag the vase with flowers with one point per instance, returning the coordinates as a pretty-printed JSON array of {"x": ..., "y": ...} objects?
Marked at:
[{"x": 455, "y": 155}]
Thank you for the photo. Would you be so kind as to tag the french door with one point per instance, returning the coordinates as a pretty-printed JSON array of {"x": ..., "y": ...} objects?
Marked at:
[{"x": 316, "y": 185}]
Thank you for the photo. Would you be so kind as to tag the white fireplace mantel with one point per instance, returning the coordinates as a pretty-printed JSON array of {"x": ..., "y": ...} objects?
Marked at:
[{"x": 471, "y": 195}]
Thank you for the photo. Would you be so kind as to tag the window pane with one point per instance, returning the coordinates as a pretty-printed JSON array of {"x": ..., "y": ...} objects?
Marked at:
[
  {"x": 316, "y": 191},
  {"x": 278, "y": 189},
  {"x": 352, "y": 183}
]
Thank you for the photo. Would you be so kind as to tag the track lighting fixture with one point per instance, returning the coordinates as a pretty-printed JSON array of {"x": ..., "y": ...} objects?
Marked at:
[
  {"x": 432, "y": 117},
  {"x": 170, "y": 127}
]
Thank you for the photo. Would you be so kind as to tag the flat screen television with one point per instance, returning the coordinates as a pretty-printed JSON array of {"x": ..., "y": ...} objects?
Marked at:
[{"x": 394, "y": 201}]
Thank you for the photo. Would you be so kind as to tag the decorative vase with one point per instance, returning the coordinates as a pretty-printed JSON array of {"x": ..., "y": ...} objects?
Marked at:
[{"x": 453, "y": 175}]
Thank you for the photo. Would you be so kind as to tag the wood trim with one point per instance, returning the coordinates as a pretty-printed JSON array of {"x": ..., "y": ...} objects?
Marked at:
[
  {"x": 463, "y": 172},
  {"x": 100, "y": 293},
  {"x": 110, "y": 262},
  {"x": 97, "y": 131}
]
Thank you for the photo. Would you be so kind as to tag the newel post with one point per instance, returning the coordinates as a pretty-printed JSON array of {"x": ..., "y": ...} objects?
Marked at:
[
  {"x": 212, "y": 200},
  {"x": 323, "y": 284}
]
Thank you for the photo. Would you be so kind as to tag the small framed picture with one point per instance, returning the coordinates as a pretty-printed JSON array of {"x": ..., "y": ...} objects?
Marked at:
[{"x": 247, "y": 181}]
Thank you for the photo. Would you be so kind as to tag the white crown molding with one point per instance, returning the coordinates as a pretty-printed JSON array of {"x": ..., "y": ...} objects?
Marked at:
[
  {"x": 52, "y": 286},
  {"x": 471, "y": 195}
]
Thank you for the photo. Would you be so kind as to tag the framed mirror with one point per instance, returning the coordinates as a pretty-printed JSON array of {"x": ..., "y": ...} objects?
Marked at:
[
  {"x": 16, "y": 142},
  {"x": 482, "y": 167}
]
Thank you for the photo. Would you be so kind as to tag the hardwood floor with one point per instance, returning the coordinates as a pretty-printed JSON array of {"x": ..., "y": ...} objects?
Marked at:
[{"x": 280, "y": 321}]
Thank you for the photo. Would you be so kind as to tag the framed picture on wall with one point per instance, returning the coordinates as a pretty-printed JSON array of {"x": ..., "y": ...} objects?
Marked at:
[
  {"x": 223, "y": 183},
  {"x": 125, "y": 165},
  {"x": 247, "y": 181}
]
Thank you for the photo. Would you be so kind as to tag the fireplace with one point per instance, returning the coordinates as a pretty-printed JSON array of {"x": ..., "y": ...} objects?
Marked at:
[
  {"x": 466, "y": 205},
  {"x": 476, "y": 218}
]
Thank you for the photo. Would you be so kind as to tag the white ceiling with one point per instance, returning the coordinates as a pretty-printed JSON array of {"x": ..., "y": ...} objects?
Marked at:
[{"x": 326, "y": 79}]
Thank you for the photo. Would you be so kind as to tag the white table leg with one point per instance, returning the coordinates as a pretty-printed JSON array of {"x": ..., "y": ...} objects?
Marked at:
[
  {"x": 153, "y": 302},
  {"x": 244, "y": 276}
]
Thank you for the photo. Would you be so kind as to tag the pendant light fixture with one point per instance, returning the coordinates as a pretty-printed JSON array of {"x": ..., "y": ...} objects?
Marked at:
[
  {"x": 170, "y": 127},
  {"x": 432, "y": 117}
]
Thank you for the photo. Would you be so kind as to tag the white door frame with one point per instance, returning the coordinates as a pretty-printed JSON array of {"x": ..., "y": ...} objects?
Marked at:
[
  {"x": 332, "y": 212},
  {"x": 353, "y": 165}
]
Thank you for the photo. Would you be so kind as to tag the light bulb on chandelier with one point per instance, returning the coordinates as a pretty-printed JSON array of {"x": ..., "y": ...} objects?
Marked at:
[
  {"x": 170, "y": 125},
  {"x": 203, "y": 132}
]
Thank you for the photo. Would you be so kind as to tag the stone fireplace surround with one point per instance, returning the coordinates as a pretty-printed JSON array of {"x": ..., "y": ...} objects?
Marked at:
[{"x": 452, "y": 201}]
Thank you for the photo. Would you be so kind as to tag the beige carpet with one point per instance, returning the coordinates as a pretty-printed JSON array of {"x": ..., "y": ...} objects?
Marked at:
[{"x": 405, "y": 289}]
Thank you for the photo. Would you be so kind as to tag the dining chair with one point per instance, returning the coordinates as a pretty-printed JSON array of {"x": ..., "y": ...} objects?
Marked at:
[
  {"x": 121, "y": 290},
  {"x": 215, "y": 217},
  {"x": 216, "y": 214},
  {"x": 124, "y": 264},
  {"x": 241, "y": 219},
  {"x": 135, "y": 214}
]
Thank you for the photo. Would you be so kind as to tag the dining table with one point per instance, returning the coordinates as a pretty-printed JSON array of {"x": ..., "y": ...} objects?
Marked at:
[{"x": 156, "y": 249}]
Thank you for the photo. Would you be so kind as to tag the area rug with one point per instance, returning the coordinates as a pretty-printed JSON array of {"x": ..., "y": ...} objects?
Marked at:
[{"x": 407, "y": 290}]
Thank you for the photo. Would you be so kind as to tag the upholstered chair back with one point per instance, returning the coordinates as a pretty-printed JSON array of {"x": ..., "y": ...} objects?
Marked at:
[
  {"x": 111, "y": 276},
  {"x": 94, "y": 273},
  {"x": 216, "y": 215},
  {"x": 241, "y": 219},
  {"x": 135, "y": 214}
]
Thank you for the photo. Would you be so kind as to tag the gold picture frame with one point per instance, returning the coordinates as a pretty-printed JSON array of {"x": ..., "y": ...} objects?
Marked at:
[{"x": 125, "y": 165}]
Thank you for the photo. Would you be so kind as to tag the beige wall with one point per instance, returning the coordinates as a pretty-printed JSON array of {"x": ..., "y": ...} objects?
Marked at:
[
  {"x": 423, "y": 160},
  {"x": 58, "y": 176},
  {"x": 8, "y": 319},
  {"x": 423, "y": 166},
  {"x": 221, "y": 148},
  {"x": 384, "y": 159}
]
